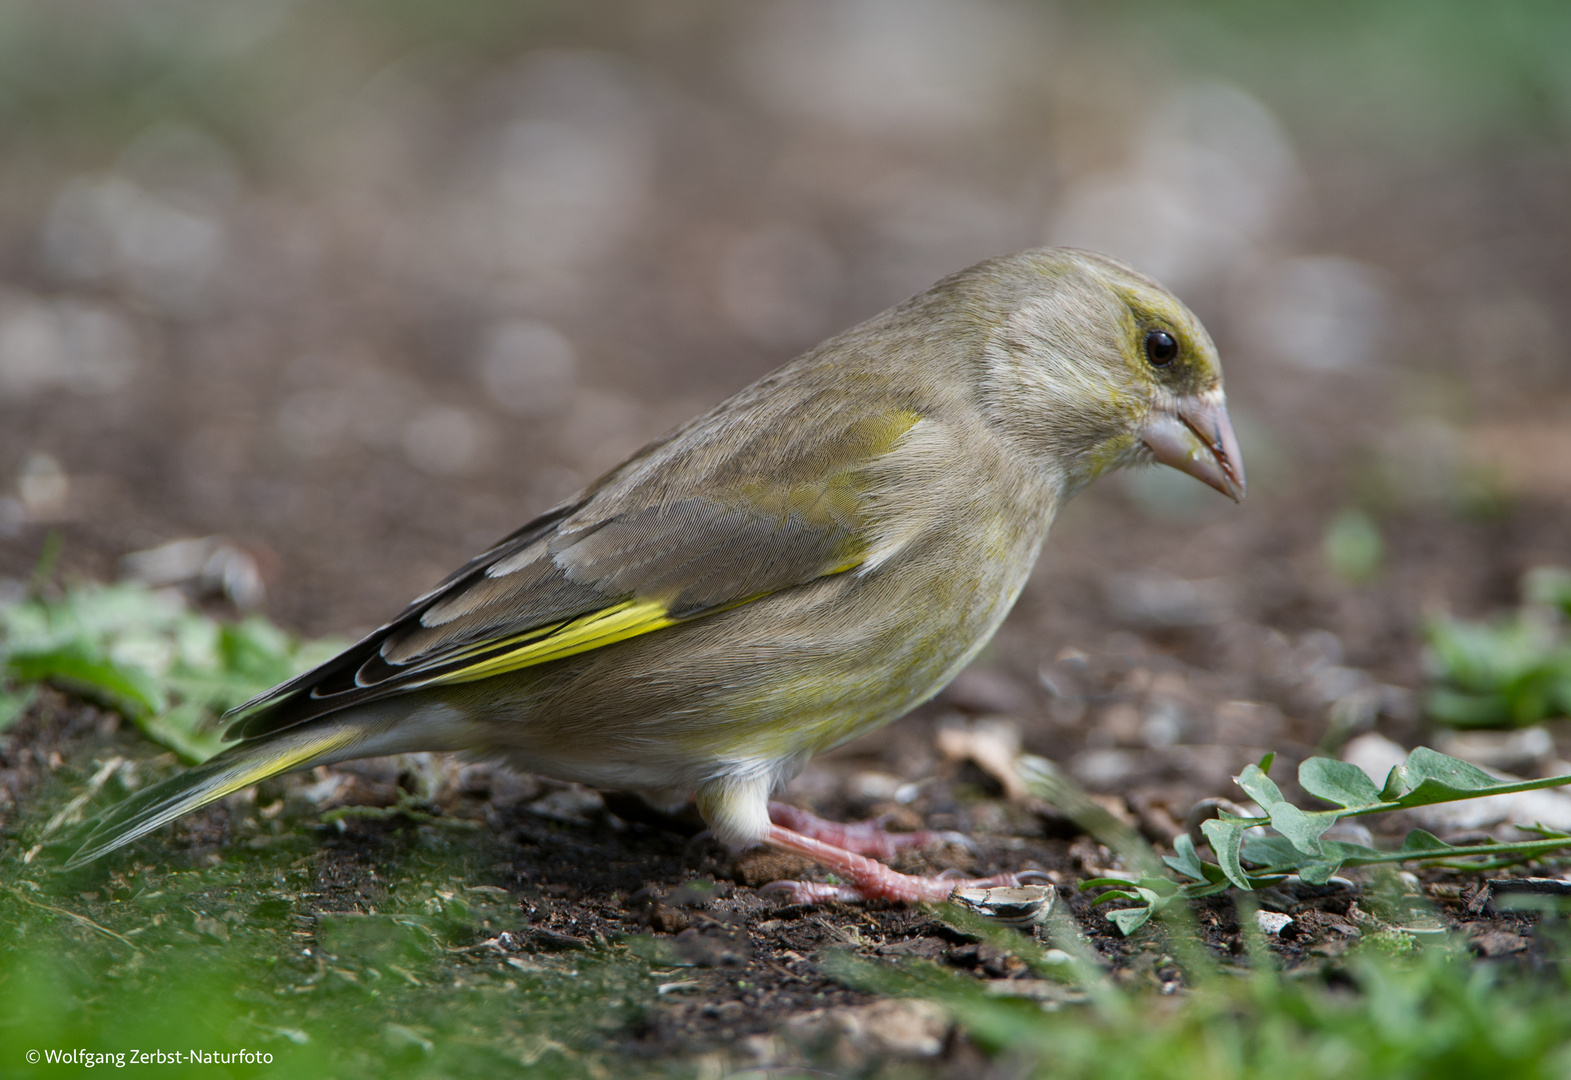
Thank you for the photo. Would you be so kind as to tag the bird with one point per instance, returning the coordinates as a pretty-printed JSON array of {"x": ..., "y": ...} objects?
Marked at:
[{"x": 805, "y": 562}]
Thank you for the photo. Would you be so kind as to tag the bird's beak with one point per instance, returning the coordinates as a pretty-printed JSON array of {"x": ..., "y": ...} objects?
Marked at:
[{"x": 1194, "y": 435}]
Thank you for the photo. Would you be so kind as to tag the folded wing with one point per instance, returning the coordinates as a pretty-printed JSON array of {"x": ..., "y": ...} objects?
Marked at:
[{"x": 630, "y": 558}]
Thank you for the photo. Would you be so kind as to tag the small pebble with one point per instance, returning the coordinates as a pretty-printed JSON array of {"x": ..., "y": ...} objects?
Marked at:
[{"x": 1272, "y": 922}]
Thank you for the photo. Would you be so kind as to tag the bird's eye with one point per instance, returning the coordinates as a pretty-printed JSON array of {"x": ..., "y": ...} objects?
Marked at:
[{"x": 1161, "y": 349}]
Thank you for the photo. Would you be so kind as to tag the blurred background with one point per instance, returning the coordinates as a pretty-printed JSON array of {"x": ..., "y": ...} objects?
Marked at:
[{"x": 337, "y": 294}]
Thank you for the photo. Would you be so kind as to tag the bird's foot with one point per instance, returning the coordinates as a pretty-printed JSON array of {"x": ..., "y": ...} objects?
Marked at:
[
  {"x": 868, "y": 838},
  {"x": 866, "y": 879}
]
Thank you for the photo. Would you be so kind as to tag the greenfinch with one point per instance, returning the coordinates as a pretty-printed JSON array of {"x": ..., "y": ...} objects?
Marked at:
[{"x": 805, "y": 562}]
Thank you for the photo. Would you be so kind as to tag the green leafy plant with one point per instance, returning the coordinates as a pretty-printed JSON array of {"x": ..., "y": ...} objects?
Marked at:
[
  {"x": 1248, "y": 856},
  {"x": 143, "y": 652},
  {"x": 1429, "y": 1014},
  {"x": 1515, "y": 670}
]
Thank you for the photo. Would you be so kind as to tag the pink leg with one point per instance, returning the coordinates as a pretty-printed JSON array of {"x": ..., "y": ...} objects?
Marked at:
[
  {"x": 869, "y": 880},
  {"x": 865, "y": 837}
]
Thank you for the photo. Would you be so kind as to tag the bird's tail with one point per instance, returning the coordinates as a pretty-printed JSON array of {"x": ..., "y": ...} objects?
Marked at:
[{"x": 341, "y": 737}]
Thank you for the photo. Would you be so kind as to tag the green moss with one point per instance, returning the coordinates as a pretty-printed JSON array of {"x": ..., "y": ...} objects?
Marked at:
[{"x": 240, "y": 955}]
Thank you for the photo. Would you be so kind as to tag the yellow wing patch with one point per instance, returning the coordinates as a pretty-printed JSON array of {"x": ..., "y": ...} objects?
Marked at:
[{"x": 595, "y": 630}]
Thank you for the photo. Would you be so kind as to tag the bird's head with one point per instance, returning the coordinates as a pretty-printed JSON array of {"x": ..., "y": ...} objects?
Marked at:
[{"x": 1095, "y": 366}]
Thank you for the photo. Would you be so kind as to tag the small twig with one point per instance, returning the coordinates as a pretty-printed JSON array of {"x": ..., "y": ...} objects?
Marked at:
[
  {"x": 70, "y": 811},
  {"x": 785, "y": 972},
  {"x": 403, "y": 809},
  {"x": 83, "y": 919},
  {"x": 1523, "y": 851}
]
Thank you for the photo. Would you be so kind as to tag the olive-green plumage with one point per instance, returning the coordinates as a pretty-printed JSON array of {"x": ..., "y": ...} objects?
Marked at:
[{"x": 808, "y": 560}]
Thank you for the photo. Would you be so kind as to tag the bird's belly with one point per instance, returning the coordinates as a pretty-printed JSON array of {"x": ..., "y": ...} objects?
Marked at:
[{"x": 763, "y": 686}]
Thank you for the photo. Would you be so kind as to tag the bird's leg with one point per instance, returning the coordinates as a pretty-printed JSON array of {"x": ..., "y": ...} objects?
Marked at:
[
  {"x": 869, "y": 880},
  {"x": 868, "y": 838}
]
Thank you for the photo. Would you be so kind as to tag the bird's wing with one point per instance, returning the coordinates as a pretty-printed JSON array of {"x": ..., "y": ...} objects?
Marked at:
[{"x": 678, "y": 532}]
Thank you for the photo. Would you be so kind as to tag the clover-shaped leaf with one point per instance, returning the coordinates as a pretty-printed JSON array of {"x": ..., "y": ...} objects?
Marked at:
[
  {"x": 1128, "y": 920},
  {"x": 1428, "y": 776},
  {"x": 1302, "y": 828},
  {"x": 1259, "y": 787},
  {"x": 1338, "y": 782},
  {"x": 1226, "y": 834},
  {"x": 1186, "y": 860}
]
